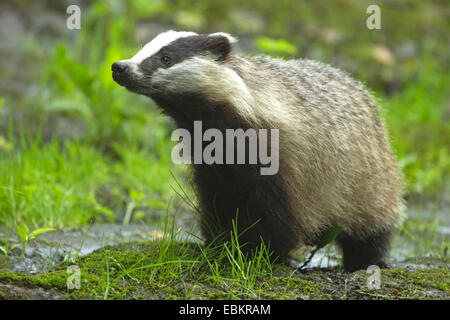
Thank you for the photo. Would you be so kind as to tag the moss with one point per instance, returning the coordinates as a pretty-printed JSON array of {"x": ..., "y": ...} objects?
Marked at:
[
  {"x": 405, "y": 284},
  {"x": 287, "y": 287},
  {"x": 150, "y": 270},
  {"x": 3, "y": 261}
]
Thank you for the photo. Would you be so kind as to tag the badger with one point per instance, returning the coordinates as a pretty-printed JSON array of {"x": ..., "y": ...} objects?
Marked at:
[{"x": 336, "y": 167}]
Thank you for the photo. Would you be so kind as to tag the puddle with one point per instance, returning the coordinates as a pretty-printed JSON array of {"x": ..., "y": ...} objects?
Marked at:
[{"x": 54, "y": 247}]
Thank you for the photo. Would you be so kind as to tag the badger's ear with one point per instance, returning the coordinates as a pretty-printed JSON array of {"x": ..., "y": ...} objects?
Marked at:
[{"x": 220, "y": 44}]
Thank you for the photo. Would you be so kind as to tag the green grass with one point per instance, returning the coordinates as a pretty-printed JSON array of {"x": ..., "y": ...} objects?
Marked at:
[
  {"x": 168, "y": 268},
  {"x": 51, "y": 185},
  {"x": 72, "y": 183},
  {"x": 169, "y": 264}
]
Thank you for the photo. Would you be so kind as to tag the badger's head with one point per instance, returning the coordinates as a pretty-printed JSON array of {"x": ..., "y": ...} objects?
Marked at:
[{"x": 173, "y": 62}]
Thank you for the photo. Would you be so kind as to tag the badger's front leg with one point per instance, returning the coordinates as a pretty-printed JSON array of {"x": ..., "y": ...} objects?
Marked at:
[{"x": 255, "y": 203}]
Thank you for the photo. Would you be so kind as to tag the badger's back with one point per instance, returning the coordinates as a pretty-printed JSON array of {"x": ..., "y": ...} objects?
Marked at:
[{"x": 336, "y": 165}]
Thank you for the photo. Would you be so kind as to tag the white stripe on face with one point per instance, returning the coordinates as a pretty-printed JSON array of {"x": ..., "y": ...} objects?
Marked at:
[{"x": 161, "y": 40}]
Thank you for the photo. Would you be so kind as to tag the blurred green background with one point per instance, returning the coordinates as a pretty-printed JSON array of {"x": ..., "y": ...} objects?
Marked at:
[{"x": 76, "y": 148}]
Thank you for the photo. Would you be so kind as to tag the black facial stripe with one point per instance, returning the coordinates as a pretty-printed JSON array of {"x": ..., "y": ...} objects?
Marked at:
[{"x": 185, "y": 48}]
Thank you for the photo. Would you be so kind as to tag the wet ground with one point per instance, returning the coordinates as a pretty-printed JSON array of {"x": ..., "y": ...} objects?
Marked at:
[
  {"x": 53, "y": 247},
  {"x": 413, "y": 274},
  {"x": 38, "y": 275}
]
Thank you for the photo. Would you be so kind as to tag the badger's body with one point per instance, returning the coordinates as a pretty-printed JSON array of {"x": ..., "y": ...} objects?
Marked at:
[{"x": 336, "y": 167}]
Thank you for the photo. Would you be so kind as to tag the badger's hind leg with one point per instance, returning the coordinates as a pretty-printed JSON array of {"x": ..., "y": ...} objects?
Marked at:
[{"x": 359, "y": 253}]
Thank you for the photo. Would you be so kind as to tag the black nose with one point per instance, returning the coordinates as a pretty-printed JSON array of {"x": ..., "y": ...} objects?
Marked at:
[{"x": 119, "y": 67}]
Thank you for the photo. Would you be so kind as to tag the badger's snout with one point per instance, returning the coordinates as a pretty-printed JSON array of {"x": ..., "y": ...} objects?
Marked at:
[
  {"x": 125, "y": 74},
  {"x": 119, "y": 67},
  {"x": 120, "y": 73}
]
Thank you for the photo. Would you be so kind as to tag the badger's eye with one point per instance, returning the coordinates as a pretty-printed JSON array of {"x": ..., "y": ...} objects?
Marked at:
[{"x": 166, "y": 60}]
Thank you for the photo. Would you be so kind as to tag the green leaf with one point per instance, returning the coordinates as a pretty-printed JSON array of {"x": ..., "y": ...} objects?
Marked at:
[
  {"x": 22, "y": 231},
  {"x": 136, "y": 195},
  {"x": 38, "y": 231},
  {"x": 2, "y": 249},
  {"x": 276, "y": 46}
]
